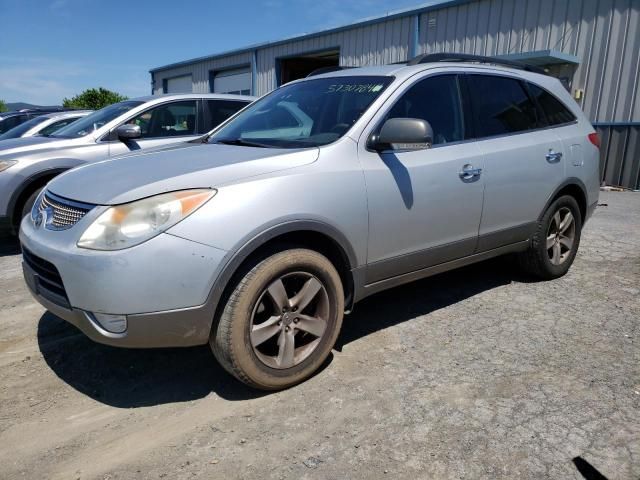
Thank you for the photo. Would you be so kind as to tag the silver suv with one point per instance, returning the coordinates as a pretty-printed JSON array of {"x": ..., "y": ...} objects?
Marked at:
[
  {"x": 325, "y": 191},
  {"x": 27, "y": 164}
]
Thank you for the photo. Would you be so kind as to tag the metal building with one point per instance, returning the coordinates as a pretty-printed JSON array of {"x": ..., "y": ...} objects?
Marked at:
[{"x": 592, "y": 45}]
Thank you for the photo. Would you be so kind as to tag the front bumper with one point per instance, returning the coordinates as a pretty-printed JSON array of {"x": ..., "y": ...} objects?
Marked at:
[{"x": 162, "y": 286}]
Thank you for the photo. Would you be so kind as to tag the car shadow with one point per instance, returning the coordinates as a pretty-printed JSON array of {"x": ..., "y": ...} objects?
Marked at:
[
  {"x": 9, "y": 246},
  {"x": 129, "y": 378}
]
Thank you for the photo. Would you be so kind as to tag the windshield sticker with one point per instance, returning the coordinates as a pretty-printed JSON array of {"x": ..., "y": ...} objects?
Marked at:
[{"x": 356, "y": 88}]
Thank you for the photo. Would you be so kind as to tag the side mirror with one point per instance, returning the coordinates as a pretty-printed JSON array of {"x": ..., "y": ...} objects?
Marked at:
[
  {"x": 403, "y": 134},
  {"x": 128, "y": 132}
]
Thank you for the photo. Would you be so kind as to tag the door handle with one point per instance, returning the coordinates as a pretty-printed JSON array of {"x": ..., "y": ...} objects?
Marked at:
[
  {"x": 468, "y": 172},
  {"x": 553, "y": 157}
]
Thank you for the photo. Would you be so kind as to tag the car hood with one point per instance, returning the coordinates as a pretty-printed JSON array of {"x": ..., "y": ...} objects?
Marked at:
[
  {"x": 181, "y": 167},
  {"x": 18, "y": 146}
]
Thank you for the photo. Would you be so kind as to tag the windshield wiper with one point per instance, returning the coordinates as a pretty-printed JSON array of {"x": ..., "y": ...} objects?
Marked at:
[{"x": 241, "y": 142}]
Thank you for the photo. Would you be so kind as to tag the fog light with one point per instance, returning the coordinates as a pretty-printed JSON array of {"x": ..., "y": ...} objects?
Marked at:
[{"x": 111, "y": 323}]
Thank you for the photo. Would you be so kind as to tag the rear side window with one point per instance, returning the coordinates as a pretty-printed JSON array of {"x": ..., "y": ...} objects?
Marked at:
[
  {"x": 436, "y": 100},
  {"x": 9, "y": 123},
  {"x": 501, "y": 106},
  {"x": 49, "y": 129},
  {"x": 220, "y": 110},
  {"x": 554, "y": 110}
]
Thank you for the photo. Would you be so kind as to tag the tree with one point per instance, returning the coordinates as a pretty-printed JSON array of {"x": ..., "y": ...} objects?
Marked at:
[
  {"x": 93, "y": 99},
  {"x": 3, "y": 106}
]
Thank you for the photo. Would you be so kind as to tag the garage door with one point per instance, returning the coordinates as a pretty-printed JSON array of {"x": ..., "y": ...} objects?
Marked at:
[
  {"x": 236, "y": 81},
  {"x": 179, "y": 85}
]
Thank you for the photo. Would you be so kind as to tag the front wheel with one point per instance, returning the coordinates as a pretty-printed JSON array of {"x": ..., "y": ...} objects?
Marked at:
[
  {"x": 556, "y": 240},
  {"x": 281, "y": 320}
]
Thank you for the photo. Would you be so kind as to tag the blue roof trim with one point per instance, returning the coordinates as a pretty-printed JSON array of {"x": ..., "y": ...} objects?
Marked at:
[
  {"x": 430, "y": 6},
  {"x": 616, "y": 124},
  {"x": 542, "y": 57}
]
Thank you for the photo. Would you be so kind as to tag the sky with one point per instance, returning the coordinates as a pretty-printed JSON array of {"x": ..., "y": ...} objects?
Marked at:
[{"x": 52, "y": 49}]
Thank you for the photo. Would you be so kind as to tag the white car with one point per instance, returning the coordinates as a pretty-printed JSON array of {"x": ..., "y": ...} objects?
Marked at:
[{"x": 44, "y": 125}]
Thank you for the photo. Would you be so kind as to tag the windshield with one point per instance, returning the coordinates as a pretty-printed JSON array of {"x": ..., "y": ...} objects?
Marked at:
[
  {"x": 94, "y": 121},
  {"x": 305, "y": 114},
  {"x": 17, "y": 132}
]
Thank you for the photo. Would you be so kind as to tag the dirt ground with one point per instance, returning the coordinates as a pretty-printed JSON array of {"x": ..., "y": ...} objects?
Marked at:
[{"x": 478, "y": 373}]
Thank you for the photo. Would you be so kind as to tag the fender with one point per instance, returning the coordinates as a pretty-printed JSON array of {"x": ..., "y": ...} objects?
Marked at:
[
  {"x": 243, "y": 252},
  {"x": 25, "y": 184},
  {"x": 566, "y": 183}
]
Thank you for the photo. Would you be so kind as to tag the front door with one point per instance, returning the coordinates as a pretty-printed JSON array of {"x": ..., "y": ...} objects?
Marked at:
[{"x": 424, "y": 206}]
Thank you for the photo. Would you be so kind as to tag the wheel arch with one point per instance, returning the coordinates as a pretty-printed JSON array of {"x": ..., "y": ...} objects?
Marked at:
[
  {"x": 573, "y": 187},
  {"x": 26, "y": 188},
  {"x": 315, "y": 235}
]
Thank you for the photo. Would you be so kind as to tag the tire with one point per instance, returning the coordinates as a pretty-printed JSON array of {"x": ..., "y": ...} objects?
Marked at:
[
  {"x": 274, "y": 331},
  {"x": 28, "y": 204},
  {"x": 549, "y": 255}
]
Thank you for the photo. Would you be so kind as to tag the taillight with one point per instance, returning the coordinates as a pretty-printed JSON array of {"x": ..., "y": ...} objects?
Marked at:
[{"x": 594, "y": 138}]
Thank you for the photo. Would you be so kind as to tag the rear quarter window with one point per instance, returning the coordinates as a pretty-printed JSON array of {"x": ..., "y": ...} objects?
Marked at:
[{"x": 555, "y": 112}]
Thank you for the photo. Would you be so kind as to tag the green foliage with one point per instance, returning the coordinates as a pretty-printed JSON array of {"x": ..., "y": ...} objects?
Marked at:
[
  {"x": 93, "y": 99},
  {"x": 3, "y": 106}
]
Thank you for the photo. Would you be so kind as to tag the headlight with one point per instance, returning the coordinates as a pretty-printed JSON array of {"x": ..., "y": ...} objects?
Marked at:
[
  {"x": 35, "y": 209},
  {"x": 130, "y": 224},
  {"x": 4, "y": 164}
]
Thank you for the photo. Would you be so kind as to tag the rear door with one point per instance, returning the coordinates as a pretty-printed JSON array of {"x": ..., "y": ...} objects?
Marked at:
[
  {"x": 523, "y": 158},
  {"x": 164, "y": 124}
]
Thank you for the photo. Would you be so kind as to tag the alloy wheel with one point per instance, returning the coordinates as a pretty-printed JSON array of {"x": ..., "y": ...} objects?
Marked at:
[
  {"x": 289, "y": 320},
  {"x": 561, "y": 236}
]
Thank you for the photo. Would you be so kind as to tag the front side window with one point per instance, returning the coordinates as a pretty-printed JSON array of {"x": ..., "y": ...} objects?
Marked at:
[
  {"x": 304, "y": 114},
  {"x": 501, "y": 105},
  {"x": 554, "y": 110},
  {"x": 436, "y": 100},
  {"x": 95, "y": 120},
  {"x": 167, "y": 120}
]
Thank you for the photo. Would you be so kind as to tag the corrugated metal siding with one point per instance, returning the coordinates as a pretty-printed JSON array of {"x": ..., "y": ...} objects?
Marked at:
[
  {"x": 603, "y": 34},
  {"x": 619, "y": 159},
  {"x": 200, "y": 71}
]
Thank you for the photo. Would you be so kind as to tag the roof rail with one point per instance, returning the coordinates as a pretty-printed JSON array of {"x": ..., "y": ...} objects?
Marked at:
[
  {"x": 465, "y": 57},
  {"x": 321, "y": 70}
]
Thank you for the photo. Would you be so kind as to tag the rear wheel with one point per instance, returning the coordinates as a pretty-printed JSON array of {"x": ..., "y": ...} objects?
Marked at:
[
  {"x": 281, "y": 320},
  {"x": 556, "y": 240}
]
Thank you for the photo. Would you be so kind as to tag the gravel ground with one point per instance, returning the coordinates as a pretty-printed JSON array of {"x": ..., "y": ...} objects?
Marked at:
[{"x": 478, "y": 373}]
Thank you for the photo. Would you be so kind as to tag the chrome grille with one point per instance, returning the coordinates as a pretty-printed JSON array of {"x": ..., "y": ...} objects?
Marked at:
[{"x": 63, "y": 213}]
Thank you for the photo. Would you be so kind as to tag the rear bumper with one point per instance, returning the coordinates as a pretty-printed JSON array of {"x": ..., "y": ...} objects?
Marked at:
[{"x": 590, "y": 209}]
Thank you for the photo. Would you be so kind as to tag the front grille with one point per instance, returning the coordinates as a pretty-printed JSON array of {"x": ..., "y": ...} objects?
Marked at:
[
  {"x": 64, "y": 213},
  {"x": 49, "y": 282}
]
